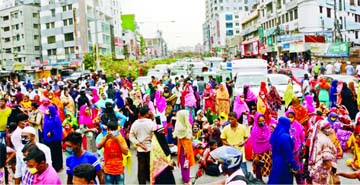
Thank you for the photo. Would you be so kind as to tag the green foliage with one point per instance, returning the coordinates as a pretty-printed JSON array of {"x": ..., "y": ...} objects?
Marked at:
[
  {"x": 142, "y": 45},
  {"x": 89, "y": 61}
]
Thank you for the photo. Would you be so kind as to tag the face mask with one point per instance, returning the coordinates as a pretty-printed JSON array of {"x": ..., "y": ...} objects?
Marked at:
[
  {"x": 47, "y": 112},
  {"x": 195, "y": 129},
  {"x": 70, "y": 151},
  {"x": 291, "y": 119},
  {"x": 261, "y": 124},
  {"x": 32, "y": 170},
  {"x": 332, "y": 118},
  {"x": 242, "y": 99},
  {"x": 50, "y": 97},
  {"x": 25, "y": 141}
]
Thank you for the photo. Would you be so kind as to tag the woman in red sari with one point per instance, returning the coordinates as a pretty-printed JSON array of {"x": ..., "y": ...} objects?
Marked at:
[
  {"x": 301, "y": 113},
  {"x": 274, "y": 102},
  {"x": 209, "y": 99}
]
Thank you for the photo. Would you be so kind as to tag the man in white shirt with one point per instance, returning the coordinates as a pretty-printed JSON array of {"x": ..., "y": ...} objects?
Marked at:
[
  {"x": 177, "y": 91},
  {"x": 16, "y": 135},
  {"x": 140, "y": 135},
  {"x": 28, "y": 138},
  {"x": 329, "y": 68},
  {"x": 306, "y": 85},
  {"x": 337, "y": 67}
]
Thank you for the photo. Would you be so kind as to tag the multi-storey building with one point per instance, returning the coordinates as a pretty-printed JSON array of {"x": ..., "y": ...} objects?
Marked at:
[
  {"x": 19, "y": 35},
  {"x": 223, "y": 19},
  {"x": 70, "y": 29},
  {"x": 156, "y": 47},
  {"x": 300, "y": 28},
  {"x": 250, "y": 45}
]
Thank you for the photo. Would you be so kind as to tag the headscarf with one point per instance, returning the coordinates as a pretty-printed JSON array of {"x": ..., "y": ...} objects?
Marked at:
[
  {"x": 119, "y": 100},
  {"x": 85, "y": 119},
  {"x": 208, "y": 90},
  {"x": 263, "y": 87},
  {"x": 289, "y": 94},
  {"x": 248, "y": 94},
  {"x": 101, "y": 103},
  {"x": 301, "y": 113},
  {"x": 333, "y": 90},
  {"x": 150, "y": 104},
  {"x": 240, "y": 106},
  {"x": 182, "y": 126},
  {"x": 323, "y": 84},
  {"x": 137, "y": 98},
  {"x": 309, "y": 103},
  {"x": 95, "y": 96},
  {"x": 222, "y": 92},
  {"x": 160, "y": 101},
  {"x": 71, "y": 120},
  {"x": 260, "y": 136},
  {"x": 352, "y": 89},
  {"x": 190, "y": 100},
  {"x": 273, "y": 96},
  {"x": 52, "y": 123},
  {"x": 296, "y": 131},
  {"x": 283, "y": 127},
  {"x": 338, "y": 90},
  {"x": 44, "y": 107}
]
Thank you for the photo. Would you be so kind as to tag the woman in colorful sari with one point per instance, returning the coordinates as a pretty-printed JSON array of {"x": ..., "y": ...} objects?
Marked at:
[
  {"x": 87, "y": 127},
  {"x": 147, "y": 102},
  {"x": 301, "y": 113},
  {"x": 338, "y": 90},
  {"x": 222, "y": 100},
  {"x": 190, "y": 102},
  {"x": 170, "y": 100},
  {"x": 354, "y": 144},
  {"x": 263, "y": 106},
  {"x": 161, "y": 164},
  {"x": 297, "y": 133},
  {"x": 309, "y": 104},
  {"x": 283, "y": 164},
  {"x": 183, "y": 133},
  {"x": 322, "y": 157},
  {"x": 26, "y": 103},
  {"x": 324, "y": 88},
  {"x": 160, "y": 105},
  {"x": 250, "y": 97},
  {"x": 260, "y": 142},
  {"x": 289, "y": 94},
  {"x": 69, "y": 104},
  {"x": 274, "y": 102},
  {"x": 263, "y": 87},
  {"x": 44, "y": 105},
  {"x": 209, "y": 99},
  {"x": 341, "y": 134},
  {"x": 333, "y": 93},
  {"x": 58, "y": 103},
  {"x": 348, "y": 101},
  {"x": 240, "y": 107}
]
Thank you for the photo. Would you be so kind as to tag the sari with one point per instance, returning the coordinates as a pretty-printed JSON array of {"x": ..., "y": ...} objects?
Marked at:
[
  {"x": 338, "y": 90},
  {"x": 250, "y": 98},
  {"x": 289, "y": 94},
  {"x": 358, "y": 97},
  {"x": 147, "y": 101},
  {"x": 240, "y": 106},
  {"x": 324, "y": 88},
  {"x": 223, "y": 100},
  {"x": 301, "y": 113},
  {"x": 352, "y": 143},
  {"x": 59, "y": 104},
  {"x": 274, "y": 102},
  {"x": 309, "y": 104},
  {"x": 190, "y": 102},
  {"x": 209, "y": 99},
  {"x": 333, "y": 93}
]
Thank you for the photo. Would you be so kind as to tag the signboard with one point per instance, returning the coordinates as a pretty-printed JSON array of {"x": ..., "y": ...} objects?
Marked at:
[
  {"x": 128, "y": 22},
  {"x": 286, "y": 46},
  {"x": 290, "y": 38},
  {"x": 335, "y": 49}
]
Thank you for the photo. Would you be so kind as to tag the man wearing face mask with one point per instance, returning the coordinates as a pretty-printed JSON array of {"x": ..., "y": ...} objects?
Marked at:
[
  {"x": 78, "y": 156},
  {"x": 27, "y": 138},
  {"x": 21, "y": 119},
  {"x": 37, "y": 166}
]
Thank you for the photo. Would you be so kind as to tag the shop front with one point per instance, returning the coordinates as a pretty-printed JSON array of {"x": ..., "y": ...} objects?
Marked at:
[{"x": 250, "y": 49}]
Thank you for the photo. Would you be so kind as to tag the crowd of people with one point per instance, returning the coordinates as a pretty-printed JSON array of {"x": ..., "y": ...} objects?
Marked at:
[{"x": 95, "y": 125}]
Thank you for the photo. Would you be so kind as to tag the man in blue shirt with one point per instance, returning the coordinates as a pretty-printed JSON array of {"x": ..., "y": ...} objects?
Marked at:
[
  {"x": 349, "y": 69},
  {"x": 78, "y": 156}
]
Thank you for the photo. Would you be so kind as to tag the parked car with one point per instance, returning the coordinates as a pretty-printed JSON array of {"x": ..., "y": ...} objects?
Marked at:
[
  {"x": 143, "y": 80},
  {"x": 280, "y": 82}
]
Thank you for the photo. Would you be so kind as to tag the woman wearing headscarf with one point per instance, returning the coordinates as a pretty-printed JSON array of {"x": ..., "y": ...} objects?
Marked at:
[
  {"x": 58, "y": 103},
  {"x": 183, "y": 133},
  {"x": 309, "y": 104},
  {"x": 289, "y": 94},
  {"x": 333, "y": 93},
  {"x": 68, "y": 101},
  {"x": 301, "y": 113},
  {"x": 338, "y": 90},
  {"x": 348, "y": 101},
  {"x": 323, "y": 87},
  {"x": 250, "y": 97},
  {"x": 189, "y": 102},
  {"x": 161, "y": 164},
  {"x": 130, "y": 111},
  {"x": 137, "y": 98},
  {"x": 297, "y": 133},
  {"x": 111, "y": 92},
  {"x": 44, "y": 105},
  {"x": 170, "y": 100},
  {"x": 119, "y": 101},
  {"x": 147, "y": 102},
  {"x": 274, "y": 102},
  {"x": 53, "y": 136},
  {"x": 342, "y": 136},
  {"x": 284, "y": 166},
  {"x": 222, "y": 100},
  {"x": 82, "y": 99},
  {"x": 102, "y": 102},
  {"x": 263, "y": 106},
  {"x": 322, "y": 157},
  {"x": 160, "y": 105},
  {"x": 260, "y": 142},
  {"x": 209, "y": 99},
  {"x": 87, "y": 127},
  {"x": 354, "y": 143},
  {"x": 240, "y": 107},
  {"x": 263, "y": 87}
]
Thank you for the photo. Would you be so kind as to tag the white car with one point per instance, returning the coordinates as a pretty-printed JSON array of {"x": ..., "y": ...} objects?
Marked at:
[
  {"x": 251, "y": 79},
  {"x": 143, "y": 80},
  {"x": 280, "y": 82}
]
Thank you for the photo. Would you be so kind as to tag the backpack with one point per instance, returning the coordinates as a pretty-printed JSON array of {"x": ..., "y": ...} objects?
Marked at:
[{"x": 248, "y": 178}]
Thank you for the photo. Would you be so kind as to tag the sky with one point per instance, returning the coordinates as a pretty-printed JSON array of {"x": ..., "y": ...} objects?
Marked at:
[{"x": 189, "y": 15}]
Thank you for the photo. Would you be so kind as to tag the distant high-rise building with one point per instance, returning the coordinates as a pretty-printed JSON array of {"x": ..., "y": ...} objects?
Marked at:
[{"x": 11, "y": 3}]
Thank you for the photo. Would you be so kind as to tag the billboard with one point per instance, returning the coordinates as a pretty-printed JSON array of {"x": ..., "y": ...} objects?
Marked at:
[{"x": 128, "y": 22}]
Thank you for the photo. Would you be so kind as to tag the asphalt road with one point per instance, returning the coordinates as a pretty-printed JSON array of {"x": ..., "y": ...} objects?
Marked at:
[{"x": 131, "y": 178}]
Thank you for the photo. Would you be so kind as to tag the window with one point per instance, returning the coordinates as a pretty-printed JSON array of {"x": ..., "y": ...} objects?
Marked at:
[
  {"x": 17, "y": 49},
  {"x": 295, "y": 14},
  {"x": 7, "y": 50},
  {"x": 50, "y": 25},
  {"x": 51, "y": 40},
  {"x": 328, "y": 12},
  {"x": 68, "y": 22},
  {"x": 291, "y": 15},
  {"x": 229, "y": 25},
  {"x": 36, "y": 37},
  {"x": 352, "y": 2},
  {"x": 64, "y": 8},
  {"x": 237, "y": 32},
  {"x": 7, "y": 39},
  {"x": 320, "y": 7},
  {"x": 52, "y": 12},
  {"x": 246, "y": 8},
  {"x": 237, "y": 24},
  {"x": 6, "y": 28},
  {"x": 228, "y": 17},
  {"x": 356, "y": 34},
  {"x": 358, "y": 2},
  {"x": 236, "y": 16},
  {"x": 69, "y": 36},
  {"x": 70, "y": 7},
  {"x": 15, "y": 27},
  {"x": 69, "y": 50},
  {"x": 341, "y": 22},
  {"x": 283, "y": 19},
  {"x": 51, "y": 52},
  {"x": 36, "y": 26},
  {"x": 14, "y": 15},
  {"x": 17, "y": 37},
  {"x": 229, "y": 32},
  {"x": 5, "y": 18},
  {"x": 287, "y": 17},
  {"x": 35, "y": 15}
]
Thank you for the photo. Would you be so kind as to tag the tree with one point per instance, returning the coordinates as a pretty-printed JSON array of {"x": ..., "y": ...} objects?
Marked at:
[
  {"x": 142, "y": 46},
  {"x": 89, "y": 61}
]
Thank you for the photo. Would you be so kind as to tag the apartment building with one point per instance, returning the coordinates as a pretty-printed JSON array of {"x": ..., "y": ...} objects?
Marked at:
[
  {"x": 20, "y": 36},
  {"x": 72, "y": 28}
]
